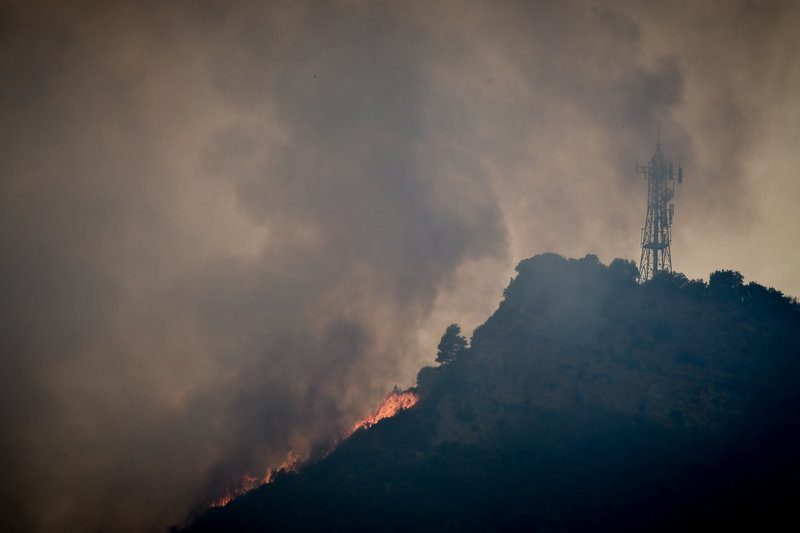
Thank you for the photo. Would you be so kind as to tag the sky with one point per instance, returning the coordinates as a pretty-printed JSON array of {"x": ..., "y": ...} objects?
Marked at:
[{"x": 228, "y": 228}]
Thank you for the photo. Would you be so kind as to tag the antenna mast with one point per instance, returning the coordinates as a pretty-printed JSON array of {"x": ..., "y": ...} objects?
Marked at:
[{"x": 656, "y": 237}]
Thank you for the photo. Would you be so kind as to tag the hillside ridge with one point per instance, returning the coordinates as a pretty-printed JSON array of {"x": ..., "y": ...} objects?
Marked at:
[{"x": 585, "y": 400}]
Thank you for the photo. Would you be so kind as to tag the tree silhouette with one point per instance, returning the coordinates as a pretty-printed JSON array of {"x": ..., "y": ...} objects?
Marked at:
[
  {"x": 726, "y": 284},
  {"x": 451, "y": 344}
]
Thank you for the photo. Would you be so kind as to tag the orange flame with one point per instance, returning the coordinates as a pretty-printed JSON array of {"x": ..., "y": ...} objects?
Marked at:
[
  {"x": 249, "y": 482},
  {"x": 393, "y": 403}
]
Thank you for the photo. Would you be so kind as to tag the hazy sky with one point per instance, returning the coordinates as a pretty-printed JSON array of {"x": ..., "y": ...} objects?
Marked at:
[{"x": 228, "y": 228}]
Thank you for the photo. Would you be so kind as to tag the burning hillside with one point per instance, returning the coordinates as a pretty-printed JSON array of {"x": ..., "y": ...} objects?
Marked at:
[
  {"x": 586, "y": 402},
  {"x": 392, "y": 403},
  {"x": 248, "y": 482}
]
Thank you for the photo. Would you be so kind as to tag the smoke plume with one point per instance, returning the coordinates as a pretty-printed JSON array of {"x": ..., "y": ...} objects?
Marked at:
[{"x": 228, "y": 230}]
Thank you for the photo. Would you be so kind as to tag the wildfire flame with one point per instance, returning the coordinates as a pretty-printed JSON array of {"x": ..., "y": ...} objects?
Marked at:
[
  {"x": 249, "y": 482},
  {"x": 393, "y": 403}
]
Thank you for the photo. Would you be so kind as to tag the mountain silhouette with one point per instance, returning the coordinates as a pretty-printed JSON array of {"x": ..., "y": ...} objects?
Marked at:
[{"x": 585, "y": 402}]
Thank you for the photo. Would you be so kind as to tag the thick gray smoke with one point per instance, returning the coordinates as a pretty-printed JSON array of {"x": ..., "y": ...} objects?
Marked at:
[{"x": 227, "y": 230}]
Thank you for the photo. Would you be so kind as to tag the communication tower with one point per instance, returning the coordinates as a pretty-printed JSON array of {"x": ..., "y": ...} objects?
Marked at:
[{"x": 658, "y": 172}]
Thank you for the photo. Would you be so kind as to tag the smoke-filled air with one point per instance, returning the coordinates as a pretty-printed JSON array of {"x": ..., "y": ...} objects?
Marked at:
[{"x": 229, "y": 229}]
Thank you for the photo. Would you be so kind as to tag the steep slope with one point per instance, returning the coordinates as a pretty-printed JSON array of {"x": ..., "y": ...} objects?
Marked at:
[{"x": 585, "y": 401}]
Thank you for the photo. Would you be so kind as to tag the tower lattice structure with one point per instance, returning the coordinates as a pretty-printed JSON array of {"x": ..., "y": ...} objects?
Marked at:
[{"x": 656, "y": 235}]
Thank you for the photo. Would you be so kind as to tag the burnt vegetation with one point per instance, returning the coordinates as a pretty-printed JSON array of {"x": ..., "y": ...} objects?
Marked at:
[{"x": 585, "y": 402}]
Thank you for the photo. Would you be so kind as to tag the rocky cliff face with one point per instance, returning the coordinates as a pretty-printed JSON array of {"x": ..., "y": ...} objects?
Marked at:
[{"x": 585, "y": 401}]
